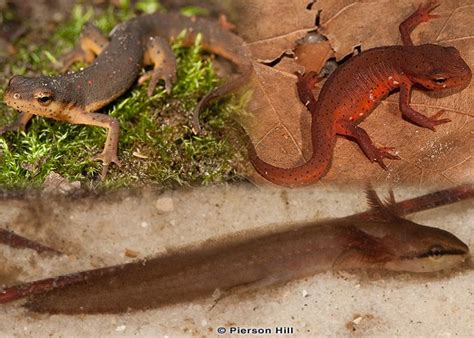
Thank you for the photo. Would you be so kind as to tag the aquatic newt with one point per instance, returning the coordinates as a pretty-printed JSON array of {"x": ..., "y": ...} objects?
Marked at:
[
  {"x": 355, "y": 89},
  {"x": 248, "y": 260},
  {"x": 75, "y": 97}
]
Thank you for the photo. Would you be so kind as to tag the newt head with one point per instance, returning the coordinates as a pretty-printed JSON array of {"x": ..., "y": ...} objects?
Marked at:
[
  {"x": 38, "y": 95},
  {"x": 410, "y": 246},
  {"x": 426, "y": 249},
  {"x": 436, "y": 67}
]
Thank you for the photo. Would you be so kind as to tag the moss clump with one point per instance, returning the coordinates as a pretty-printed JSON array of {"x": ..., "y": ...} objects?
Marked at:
[{"x": 157, "y": 145}]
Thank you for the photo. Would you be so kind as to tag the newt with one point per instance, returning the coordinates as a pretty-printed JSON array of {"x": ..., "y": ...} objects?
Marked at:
[
  {"x": 357, "y": 87},
  {"x": 115, "y": 65},
  {"x": 247, "y": 260}
]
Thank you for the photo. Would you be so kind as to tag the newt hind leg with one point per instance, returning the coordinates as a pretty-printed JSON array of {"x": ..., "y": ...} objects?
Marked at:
[
  {"x": 91, "y": 44},
  {"x": 160, "y": 54},
  {"x": 422, "y": 14},
  {"x": 373, "y": 153}
]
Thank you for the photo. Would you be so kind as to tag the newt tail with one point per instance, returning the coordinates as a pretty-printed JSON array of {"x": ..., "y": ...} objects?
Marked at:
[{"x": 318, "y": 164}]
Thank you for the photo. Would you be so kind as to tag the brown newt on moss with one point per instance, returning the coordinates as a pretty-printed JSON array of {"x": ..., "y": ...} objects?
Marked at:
[
  {"x": 75, "y": 97},
  {"x": 382, "y": 239},
  {"x": 355, "y": 89}
]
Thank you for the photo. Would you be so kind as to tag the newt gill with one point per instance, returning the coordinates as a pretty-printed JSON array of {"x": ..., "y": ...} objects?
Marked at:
[
  {"x": 248, "y": 260},
  {"x": 355, "y": 89},
  {"x": 75, "y": 97}
]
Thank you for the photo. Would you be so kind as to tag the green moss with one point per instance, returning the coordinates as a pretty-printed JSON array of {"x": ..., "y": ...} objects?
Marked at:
[{"x": 157, "y": 145}]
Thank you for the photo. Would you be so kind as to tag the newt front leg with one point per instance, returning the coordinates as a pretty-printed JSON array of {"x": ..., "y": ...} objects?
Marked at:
[
  {"x": 109, "y": 154},
  {"x": 412, "y": 115},
  {"x": 18, "y": 124},
  {"x": 422, "y": 14}
]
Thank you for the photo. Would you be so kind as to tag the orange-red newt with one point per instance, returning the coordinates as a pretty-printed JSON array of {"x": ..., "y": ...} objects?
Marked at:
[
  {"x": 355, "y": 89},
  {"x": 244, "y": 261},
  {"x": 75, "y": 97}
]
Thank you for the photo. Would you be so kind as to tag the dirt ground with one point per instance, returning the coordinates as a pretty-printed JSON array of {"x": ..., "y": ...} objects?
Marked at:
[{"x": 99, "y": 231}]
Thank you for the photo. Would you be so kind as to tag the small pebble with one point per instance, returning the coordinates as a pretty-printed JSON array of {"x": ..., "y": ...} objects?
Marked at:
[
  {"x": 120, "y": 328},
  {"x": 131, "y": 253},
  {"x": 357, "y": 320},
  {"x": 164, "y": 205}
]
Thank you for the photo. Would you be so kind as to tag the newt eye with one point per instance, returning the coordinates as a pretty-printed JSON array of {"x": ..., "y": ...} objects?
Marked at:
[
  {"x": 440, "y": 80},
  {"x": 436, "y": 252},
  {"x": 44, "y": 98}
]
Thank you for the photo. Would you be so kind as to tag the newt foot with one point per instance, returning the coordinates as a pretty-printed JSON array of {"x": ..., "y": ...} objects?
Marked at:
[
  {"x": 107, "y": 158},
  {"x": 424, "y": 10},
  {"x": 156, "y": 75},
  {"x": 226, "y": 24},
  {"x": 305, "y": 85},
  {"x": 378, "y": 154},
  {"x": 433, "y": 121}
]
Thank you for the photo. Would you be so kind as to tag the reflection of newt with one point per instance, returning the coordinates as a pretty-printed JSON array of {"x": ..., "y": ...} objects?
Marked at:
[
  {"x": 74, "y": 97},
  {"x": 354, "y": 90},
  {"x": 380, "y": 239}
]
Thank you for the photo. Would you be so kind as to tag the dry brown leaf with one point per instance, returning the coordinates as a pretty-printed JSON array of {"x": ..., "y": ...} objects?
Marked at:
[
  {"x": 279, "y": 123},
  {"x": 275, "y": 107},
  {"x": 313, "y": 56},
  {"x": 288, "y": 65},
  {"x": 272, "y": 27}
]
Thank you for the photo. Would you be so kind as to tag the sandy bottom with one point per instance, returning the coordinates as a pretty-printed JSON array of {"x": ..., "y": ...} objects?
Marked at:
[{"x": 102, "y": 231}]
